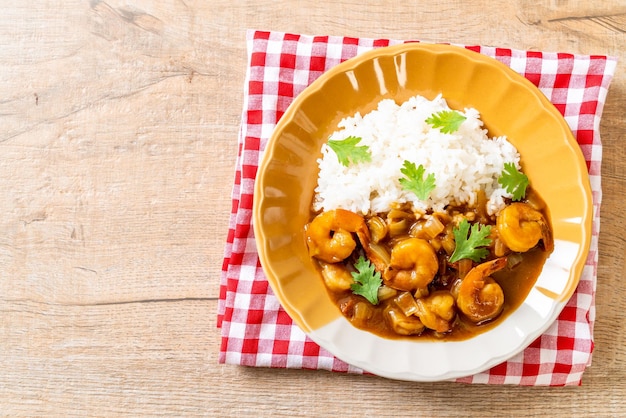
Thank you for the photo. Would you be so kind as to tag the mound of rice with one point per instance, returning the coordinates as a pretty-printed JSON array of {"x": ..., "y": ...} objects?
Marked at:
[{"x": 462, "y": 162}]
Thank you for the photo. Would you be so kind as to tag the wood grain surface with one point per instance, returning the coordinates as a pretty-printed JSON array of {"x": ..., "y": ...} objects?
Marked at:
[{"x": 118, "y": 132}]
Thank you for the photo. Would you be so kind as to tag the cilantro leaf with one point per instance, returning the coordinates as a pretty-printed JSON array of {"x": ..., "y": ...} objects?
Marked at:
[
  {"x": 448, "y": 121},
  {"x": 515, "y": 182},
  {"x": 367, "y": 280},
  {"x": 348, "y": 152},
  {"x": 415, "y": 181},
  {"x": 467, "y": 246}
]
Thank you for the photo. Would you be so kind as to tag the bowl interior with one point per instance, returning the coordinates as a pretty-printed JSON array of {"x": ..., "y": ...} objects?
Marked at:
[{"x": 509, "y": 105}]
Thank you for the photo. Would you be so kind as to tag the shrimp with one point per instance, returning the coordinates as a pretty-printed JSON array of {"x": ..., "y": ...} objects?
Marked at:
[
  {"x": 521, "y": 227},
  {"x": 336, "y": 276},
  {"x": 437, "y": 311},
  {"x": 329, "y": 235},
  {"x": 402, "y": 324},
  {"x": 412, "y": 266},
  {"x": 479, "y": 296}
]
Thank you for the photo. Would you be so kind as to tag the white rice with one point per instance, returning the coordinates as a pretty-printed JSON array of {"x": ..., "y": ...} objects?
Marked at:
[{"x": 462, "y": 162}]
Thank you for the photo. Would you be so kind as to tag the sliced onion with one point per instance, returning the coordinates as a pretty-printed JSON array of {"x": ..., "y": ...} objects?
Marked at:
[
  {"x": 433, "y": 227},
  {"x": 448, "y": 244},
  {"x": 380, "y": 252},
  {"x": 435, "y": 243},
  {"x": 464, "y": 266},
  {"x": 378, "y": 228},
  {"x": 398, "y": 227},
  {"x": 406, "y": 302},
  {"x": 398, "y": 214},
  {"x": 386, "y": 292},
  {"x": 417, "y": 230},
  {"x": 514, "y": 259},
  {"x": 362, "y": 311}
]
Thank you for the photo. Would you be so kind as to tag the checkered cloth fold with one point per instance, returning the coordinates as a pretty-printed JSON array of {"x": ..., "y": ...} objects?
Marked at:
[{"x": 256, "y": 331}]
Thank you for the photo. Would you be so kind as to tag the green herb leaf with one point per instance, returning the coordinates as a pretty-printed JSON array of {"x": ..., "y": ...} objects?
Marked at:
[
  {"x": 513, "y": 181},
  {"x": 448, "y": 121},
  {"x": 367, "y": 280},
  {"x": 348, "y": 152},
  {"x": 467, "y": 245},
  {"x": 415, "y": 181}
]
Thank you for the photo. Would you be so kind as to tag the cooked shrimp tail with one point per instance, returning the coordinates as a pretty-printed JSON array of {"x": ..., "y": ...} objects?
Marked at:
[{"x": 546, "y": 237}]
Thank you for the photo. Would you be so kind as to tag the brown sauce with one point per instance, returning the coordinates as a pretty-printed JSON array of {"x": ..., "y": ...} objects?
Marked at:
[{"x": 516, "y": 281}]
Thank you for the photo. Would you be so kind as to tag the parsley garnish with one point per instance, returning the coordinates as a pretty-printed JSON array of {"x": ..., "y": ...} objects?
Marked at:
[
  {"x": 515, "y": 182},
  {"x": 415, "y": 181},
  {"x": 367, "y": 280},
  {"x": 448, "y": 121},
  {"x": 348, "y": 152},
  {"x": 467, "y": 246}
]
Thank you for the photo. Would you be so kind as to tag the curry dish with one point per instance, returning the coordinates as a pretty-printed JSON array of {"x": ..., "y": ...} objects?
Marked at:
[{"x": 405, "y": 274}]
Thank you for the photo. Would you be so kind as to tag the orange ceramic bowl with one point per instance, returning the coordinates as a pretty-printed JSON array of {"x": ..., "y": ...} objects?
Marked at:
[{"x": 509, "y": 105}]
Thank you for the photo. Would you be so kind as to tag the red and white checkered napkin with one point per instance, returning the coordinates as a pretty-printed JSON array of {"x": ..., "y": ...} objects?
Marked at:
[{"x": 256, "y": 331}]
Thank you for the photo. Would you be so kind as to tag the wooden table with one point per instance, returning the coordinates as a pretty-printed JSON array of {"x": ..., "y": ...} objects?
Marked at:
[{"x": 118, "y": 125}]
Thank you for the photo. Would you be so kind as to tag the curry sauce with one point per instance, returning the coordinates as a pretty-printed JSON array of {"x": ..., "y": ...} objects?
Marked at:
[{"x": 426, "y": 290}]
